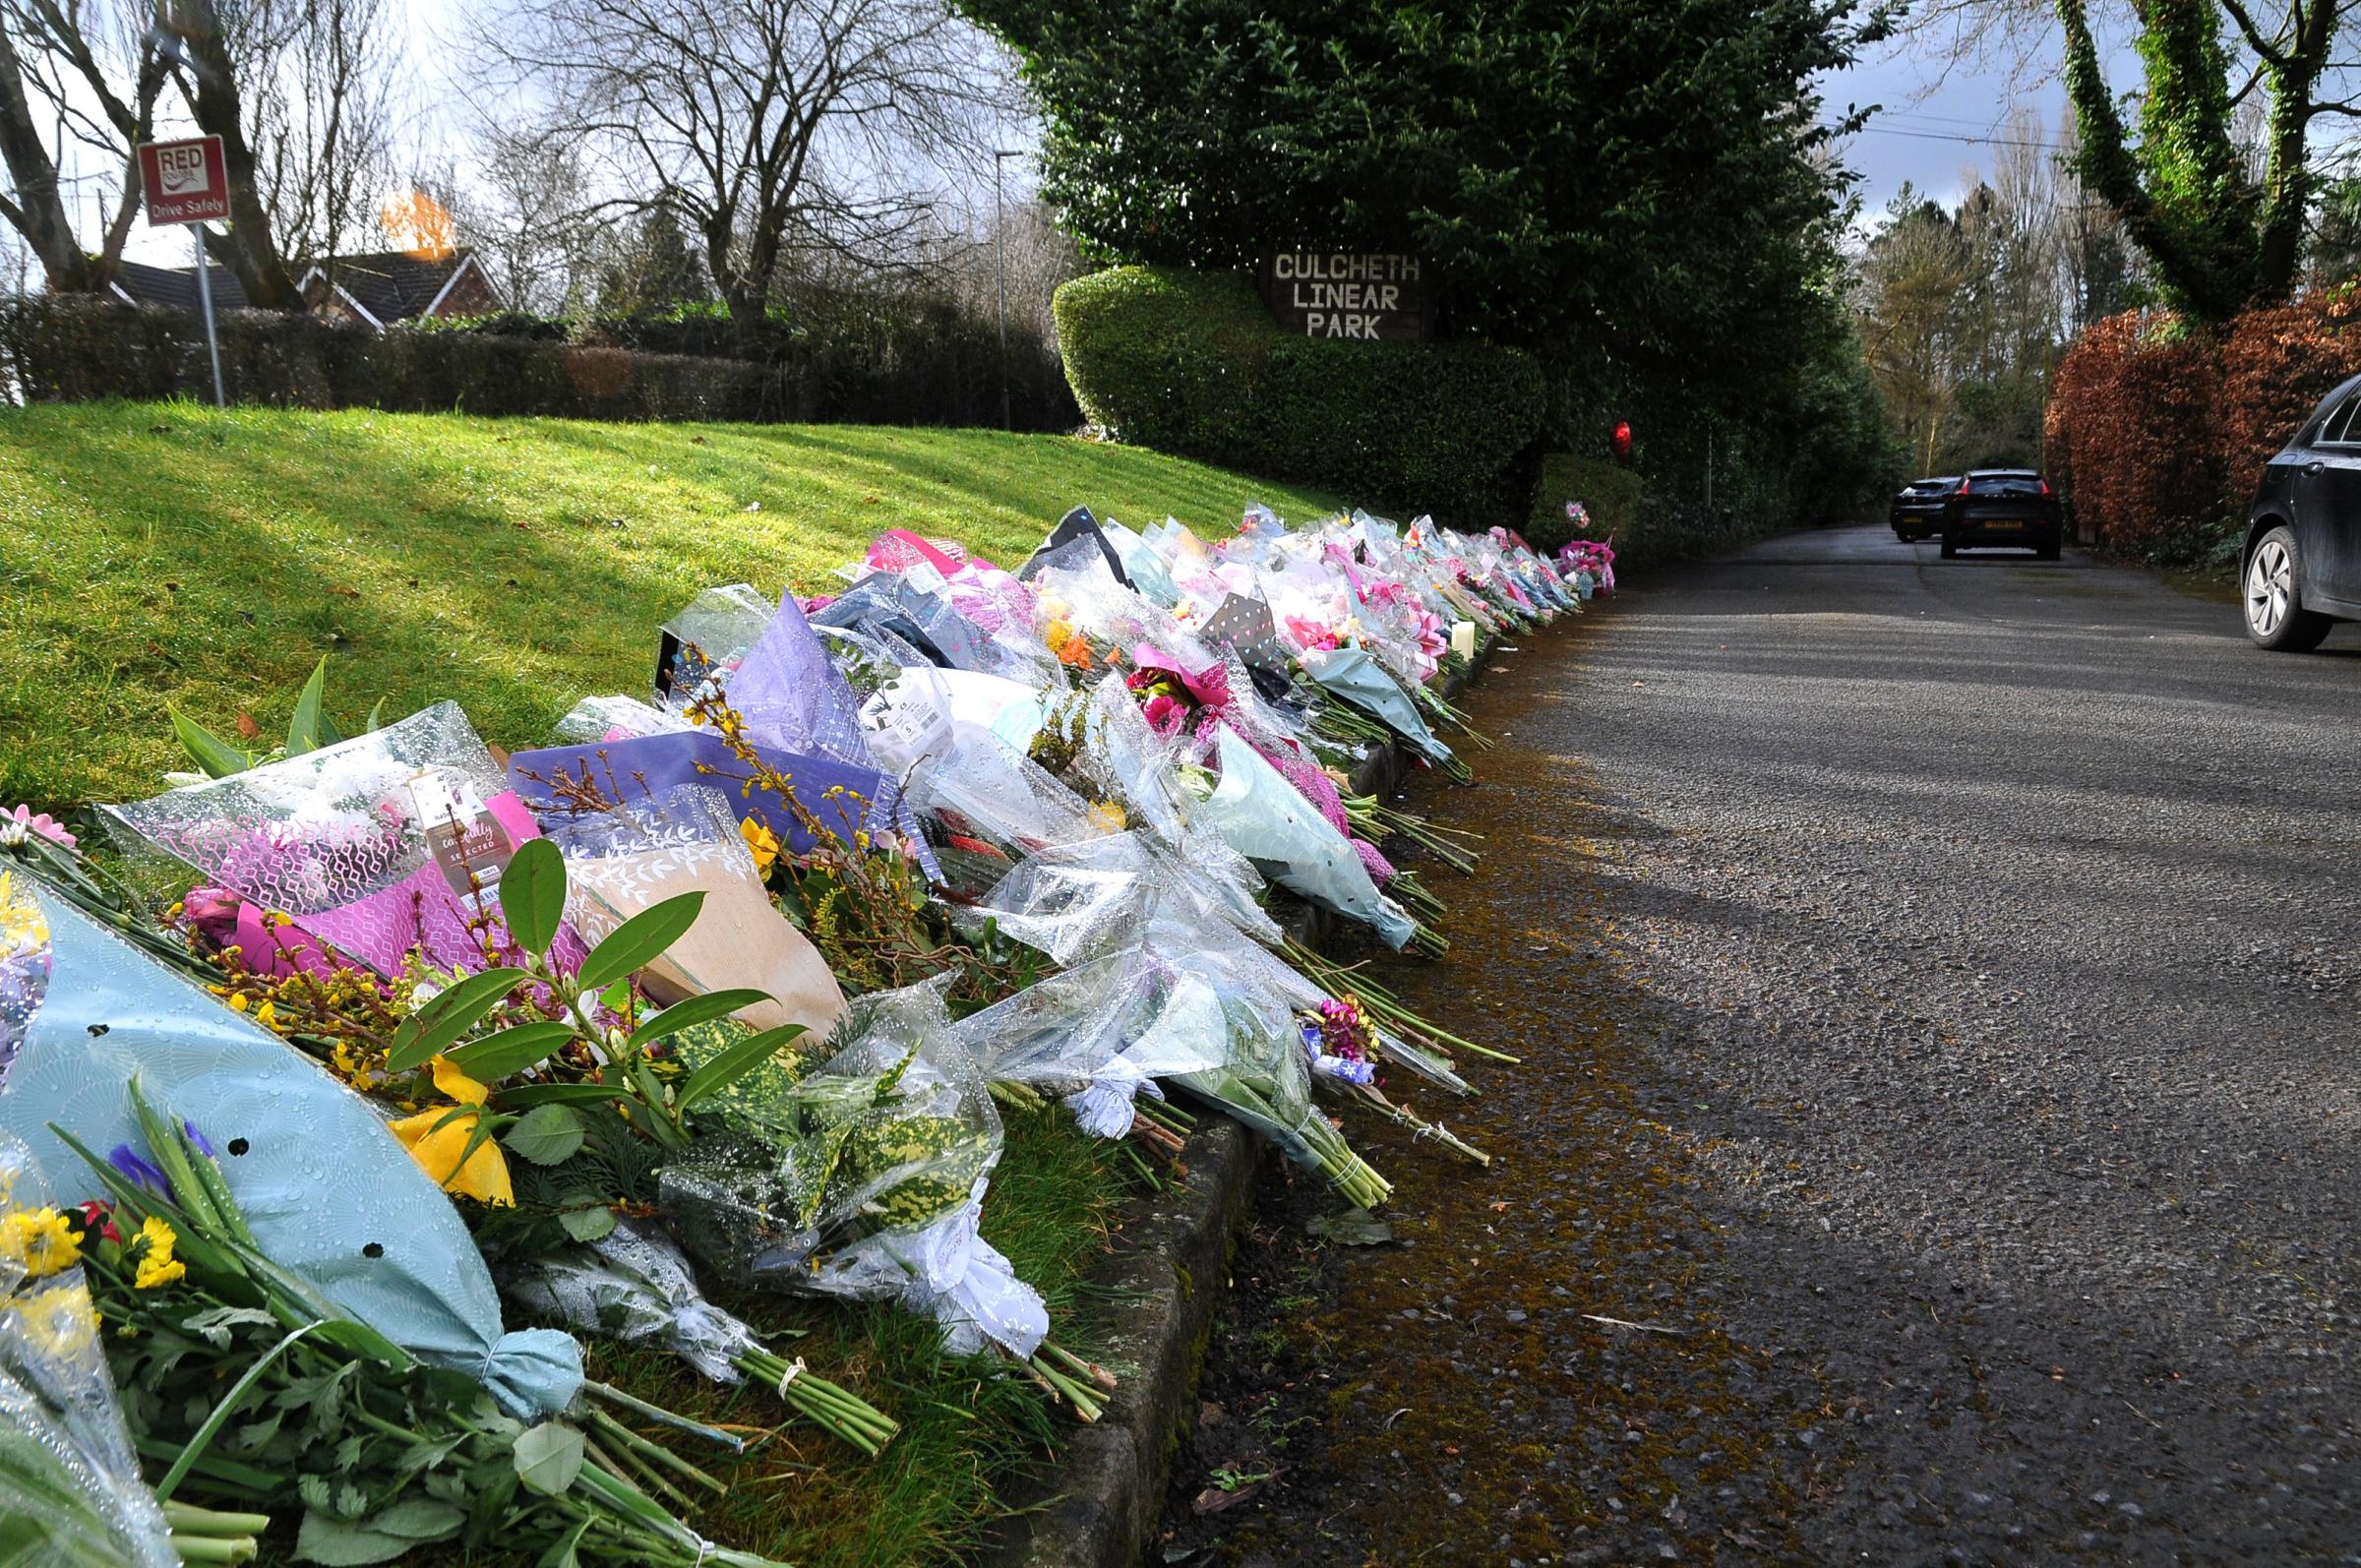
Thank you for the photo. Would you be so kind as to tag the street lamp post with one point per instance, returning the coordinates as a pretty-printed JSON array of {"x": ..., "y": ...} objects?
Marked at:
[{"x": 999, "y": 274}]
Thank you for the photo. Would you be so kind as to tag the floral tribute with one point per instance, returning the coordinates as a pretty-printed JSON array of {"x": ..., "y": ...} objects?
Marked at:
[{"x": 730, "y": 983}]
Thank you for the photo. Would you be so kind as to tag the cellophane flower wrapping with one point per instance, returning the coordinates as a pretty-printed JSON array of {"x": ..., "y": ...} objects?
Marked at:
[
  {"x": 793, "y": 699},
  {"x": 330, "y": 1194},
  {"x": 633, "y": 1286},
  {"x": 864, "y": 1180},
  {"x": 625, "y": 859},
  {"x": 710, "y": 633},
  {"x": 1354, "y": 676},
  {"x": 70, "y": 1487},
  {"x": 380, "y": 845},
  {"x": 1265, "y": 818},
  {"x": 616, "y": 718}
]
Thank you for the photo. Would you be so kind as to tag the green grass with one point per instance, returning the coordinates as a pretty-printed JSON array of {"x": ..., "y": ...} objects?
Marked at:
[
  {"x": 168, "y": 553},
  {"x": 153, "y": 553}
]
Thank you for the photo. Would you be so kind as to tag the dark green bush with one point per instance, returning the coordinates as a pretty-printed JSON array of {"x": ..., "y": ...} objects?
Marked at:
[
  {"x": 1608, "y": 491},
  {"x": 1191, "y": 363},
  {"x": 932, "y": 366}
]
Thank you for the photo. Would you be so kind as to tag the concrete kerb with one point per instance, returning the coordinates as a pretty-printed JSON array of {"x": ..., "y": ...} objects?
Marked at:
[{"x": 1099, "y": 1504}]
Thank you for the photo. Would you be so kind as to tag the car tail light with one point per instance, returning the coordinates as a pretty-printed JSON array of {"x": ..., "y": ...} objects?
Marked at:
[
  {"x": 2046, "y": 487},
  {"x": 1964, "y": 484}
]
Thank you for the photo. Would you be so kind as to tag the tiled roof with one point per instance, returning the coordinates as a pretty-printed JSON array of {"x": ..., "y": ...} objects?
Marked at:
[
  {"x": 395, "y": 285},
  {"x": 176, "y": 288}
]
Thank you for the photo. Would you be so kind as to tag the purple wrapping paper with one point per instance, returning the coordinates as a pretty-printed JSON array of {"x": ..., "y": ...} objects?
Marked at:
[
  {"x": 793, "y": 700},
  {"x": 660, "y": 762}
]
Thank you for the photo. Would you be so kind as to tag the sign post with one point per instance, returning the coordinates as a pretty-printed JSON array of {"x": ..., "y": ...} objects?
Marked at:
[{"x": 188, "y": 182}]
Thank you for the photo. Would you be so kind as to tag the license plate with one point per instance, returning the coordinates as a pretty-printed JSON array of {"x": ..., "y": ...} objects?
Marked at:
[{"x": 2002, "y": 522}]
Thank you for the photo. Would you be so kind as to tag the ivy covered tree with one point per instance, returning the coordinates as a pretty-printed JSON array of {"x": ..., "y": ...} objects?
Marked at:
[
  {"x": 2220, "y": 237},
  {"x": 1631, "y": 188}
]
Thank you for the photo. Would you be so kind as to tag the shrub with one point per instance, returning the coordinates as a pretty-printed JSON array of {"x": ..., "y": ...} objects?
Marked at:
[
  {"x": 2131, "y": 416},
  {"x": 2277, "y": 362},
  {"x": 921, "y": 367},
  {"x": 1608, "y": 491},
  {"x": 1191, "y": 363}
]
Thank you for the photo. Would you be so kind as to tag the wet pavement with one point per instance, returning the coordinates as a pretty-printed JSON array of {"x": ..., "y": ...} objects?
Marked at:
[{"x": 1936, "y": 1137}]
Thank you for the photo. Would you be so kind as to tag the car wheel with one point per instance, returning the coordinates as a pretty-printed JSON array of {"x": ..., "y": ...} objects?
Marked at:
[
  {"x": 1951, "y": 552},
  {"x": 2273, "y": 597}
]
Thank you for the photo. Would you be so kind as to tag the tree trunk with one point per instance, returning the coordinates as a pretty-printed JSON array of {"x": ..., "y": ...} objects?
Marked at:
[
  {"x": 39, "y": 209},
  {"x": 248, "y": 249}
]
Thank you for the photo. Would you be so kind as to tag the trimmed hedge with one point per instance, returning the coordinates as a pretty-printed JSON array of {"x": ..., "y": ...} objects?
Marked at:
[
  {"x": 2158, "y": 432},
  {"x": 79, "y": 349},
  {"x": 1191, "y": 363},
  {"x": 1609, "y": 492}
]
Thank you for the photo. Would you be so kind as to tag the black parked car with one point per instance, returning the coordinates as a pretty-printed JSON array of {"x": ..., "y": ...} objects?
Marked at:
[
  {"x": 1918, "y": 512},
  {"x": 2003, "y": 507},
  {"x": 2302, "y": 566}
]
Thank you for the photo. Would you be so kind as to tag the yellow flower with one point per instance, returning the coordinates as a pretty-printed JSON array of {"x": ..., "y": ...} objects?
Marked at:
[
  {"x": 157, "y": 1265},
  {"x": 39, "y": 1240},
  {"x": 1109, "y": 814},
  {"x": 60, "y": 1323},
  {"x": 437, "y": 1144},
  {"x": 23, "y": 929},
  {"x": 762, "y": 840},
  {"x": 266, "y": 1016}
]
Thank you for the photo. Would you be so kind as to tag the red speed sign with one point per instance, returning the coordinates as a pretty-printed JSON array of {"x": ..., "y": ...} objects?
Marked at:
[{"x": 185, "y": 182}]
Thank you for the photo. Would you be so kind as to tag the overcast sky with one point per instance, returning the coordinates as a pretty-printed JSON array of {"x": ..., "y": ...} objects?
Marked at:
[{"x": 1938, "y": 118}]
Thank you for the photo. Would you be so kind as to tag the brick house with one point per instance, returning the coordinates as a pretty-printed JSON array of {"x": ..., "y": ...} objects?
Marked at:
[{"x": 388, "y": 286}]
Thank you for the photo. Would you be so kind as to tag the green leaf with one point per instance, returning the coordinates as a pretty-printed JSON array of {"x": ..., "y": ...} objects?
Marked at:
[
  {"x": 636, "y": 942},
  {"x": 549, "y": 1457},
  {"x": 215, "y": 756},
  {"x": 532, "y": 895},
  {"x": 326, "y": 1540},
  {"x": 303, "y": 729},
  {"x": 524, "y": 1096},
  {"x": 563, "y": 1553},
  {"x": 548, "y": 1135},
  {"x": 377, "y": 716},
  {"x": 433, "y": 1027},
  {"x": 694, "y": 1010},
  {"x": 587, "y": 1224},
  {"x": 419, "y": 1518},
  {"x": 735, "y": 1063},
  {"x": 495, "y": 1057},
  {"x": 381, "y": 1536}
]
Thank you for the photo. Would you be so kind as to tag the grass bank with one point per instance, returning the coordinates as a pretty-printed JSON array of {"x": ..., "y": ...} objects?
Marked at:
[
  {"x": 168, "y": 552},
  {"x": 155, "y": 553}
]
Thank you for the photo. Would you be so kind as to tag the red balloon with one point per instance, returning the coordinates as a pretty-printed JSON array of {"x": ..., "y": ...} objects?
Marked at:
[{"x": 1621, "y": 441}]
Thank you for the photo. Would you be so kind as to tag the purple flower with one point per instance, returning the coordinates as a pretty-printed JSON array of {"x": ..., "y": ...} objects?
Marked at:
[
  {"x": 135, "y": 1169},
  {"x": 198, "y": 1139}
]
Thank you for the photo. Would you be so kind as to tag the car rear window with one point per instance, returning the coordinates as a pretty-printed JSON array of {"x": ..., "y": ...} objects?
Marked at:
[{"x": 2005, "y": 485}]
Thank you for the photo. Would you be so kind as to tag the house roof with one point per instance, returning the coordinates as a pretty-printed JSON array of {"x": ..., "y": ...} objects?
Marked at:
[
  {"x": 395, "y": 285},
  {"x": 176, "y": 288}
]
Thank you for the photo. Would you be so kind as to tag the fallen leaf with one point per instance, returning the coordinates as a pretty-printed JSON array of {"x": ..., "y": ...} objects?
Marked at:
[
  {"x": 247, "y": 728},
  {"x": 342, "y": 593},
  {"x": 1501, "y": 1207},
  {"x": 696, "y": 440},
  {"x": 1209, "y": 1414},
  {"x": 1351, "y": 1228}
]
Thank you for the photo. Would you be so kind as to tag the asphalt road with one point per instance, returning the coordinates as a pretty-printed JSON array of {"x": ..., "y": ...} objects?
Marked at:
[
  {"x": 2007, "y": 920},
  {"x": 1938, "y": 1133}
]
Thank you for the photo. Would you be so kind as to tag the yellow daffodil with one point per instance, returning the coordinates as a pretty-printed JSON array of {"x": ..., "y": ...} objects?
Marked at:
[
  {"x": 436, "y": 1143},
  {"x": 762, "y": 840},
  {"x": 157, "y": 1265},
  {"x": 39, "y": 1241},
  {"x": 1108, "y": 815}
]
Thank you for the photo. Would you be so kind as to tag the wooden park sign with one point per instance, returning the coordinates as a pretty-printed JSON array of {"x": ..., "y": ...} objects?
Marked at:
[{"x": 1375, "y": 296}]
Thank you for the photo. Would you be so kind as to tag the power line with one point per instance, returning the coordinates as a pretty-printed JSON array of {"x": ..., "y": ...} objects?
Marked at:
[{"x": 1942, "y": 135}]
